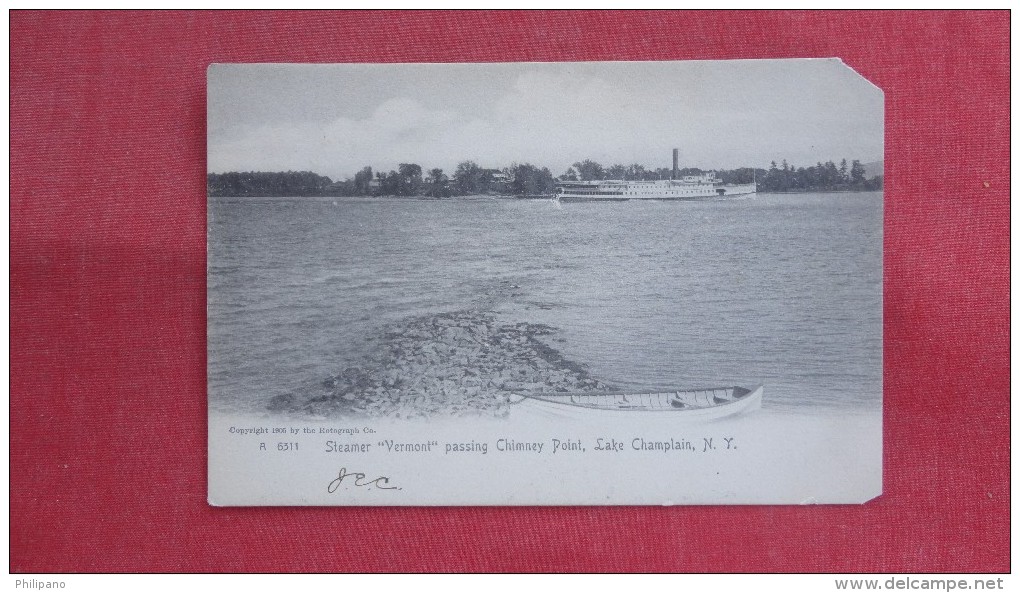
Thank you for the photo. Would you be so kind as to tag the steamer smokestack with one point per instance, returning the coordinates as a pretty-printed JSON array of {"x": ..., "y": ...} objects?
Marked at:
[{"x": 676, "y": 163}]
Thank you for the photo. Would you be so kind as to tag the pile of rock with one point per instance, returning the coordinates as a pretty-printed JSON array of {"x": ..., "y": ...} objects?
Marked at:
[{"x": 463, "y": 363}]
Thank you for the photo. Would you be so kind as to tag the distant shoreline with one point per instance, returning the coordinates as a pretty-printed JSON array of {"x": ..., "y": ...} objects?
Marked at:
[
  {"x": 527, "y": 197},
  {"x": 527, "y": 181}
]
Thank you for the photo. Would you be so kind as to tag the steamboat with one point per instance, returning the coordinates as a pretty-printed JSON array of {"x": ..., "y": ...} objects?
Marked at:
[{"x": 688, "y": 187}]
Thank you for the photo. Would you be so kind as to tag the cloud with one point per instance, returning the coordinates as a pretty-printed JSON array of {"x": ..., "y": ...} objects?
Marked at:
[
  {"x": 555, "y": 116},
  {"x": 548, "y": 119},
  {"x": 399, "y": 130}
]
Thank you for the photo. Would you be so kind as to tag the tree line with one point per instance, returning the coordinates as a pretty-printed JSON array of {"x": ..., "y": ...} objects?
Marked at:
[
  {"x": 408, "y": 179},
  {"x": 819, "y": 177},
  {"x": 260, "y": 184},
  {"x": 525, "y": 179}
]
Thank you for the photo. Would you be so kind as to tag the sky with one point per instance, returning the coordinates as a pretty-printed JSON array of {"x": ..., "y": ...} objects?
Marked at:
[{"x": 336, "y": 119}]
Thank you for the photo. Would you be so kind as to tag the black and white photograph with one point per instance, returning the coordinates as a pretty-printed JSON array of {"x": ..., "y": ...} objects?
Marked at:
[{"x": 597, "y": 283}]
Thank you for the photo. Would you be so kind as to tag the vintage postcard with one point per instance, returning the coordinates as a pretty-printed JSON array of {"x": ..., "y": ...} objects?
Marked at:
[{"x": 616, "y": 283}]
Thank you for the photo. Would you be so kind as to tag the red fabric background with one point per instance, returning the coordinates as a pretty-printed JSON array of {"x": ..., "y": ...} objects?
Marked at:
[{"x": 107, "y": 287}]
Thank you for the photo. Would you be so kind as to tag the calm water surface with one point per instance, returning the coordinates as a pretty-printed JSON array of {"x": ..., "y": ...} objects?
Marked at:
[{"x": 784, "y": 290}]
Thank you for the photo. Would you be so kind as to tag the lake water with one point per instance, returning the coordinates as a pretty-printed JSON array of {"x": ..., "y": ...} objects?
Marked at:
[{"x": 784, "y": 290}]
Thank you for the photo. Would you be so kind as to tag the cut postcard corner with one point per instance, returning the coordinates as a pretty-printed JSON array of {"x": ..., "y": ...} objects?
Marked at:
[{"x": 857, "y": 72}]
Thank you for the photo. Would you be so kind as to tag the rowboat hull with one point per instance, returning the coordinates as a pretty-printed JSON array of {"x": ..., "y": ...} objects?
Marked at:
[{"x": 678, "y": 405}]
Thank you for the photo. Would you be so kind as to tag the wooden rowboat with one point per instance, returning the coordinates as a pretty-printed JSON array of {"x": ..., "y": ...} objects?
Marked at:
[{"x": 693, "y": 404}]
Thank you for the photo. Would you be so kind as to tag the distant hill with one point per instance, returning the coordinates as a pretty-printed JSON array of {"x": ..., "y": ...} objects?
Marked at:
[{"x": 874, "y": 168}]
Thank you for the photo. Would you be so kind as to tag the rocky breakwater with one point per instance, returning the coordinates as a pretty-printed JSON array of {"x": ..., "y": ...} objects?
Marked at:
[{"x": 454, "y": 364}]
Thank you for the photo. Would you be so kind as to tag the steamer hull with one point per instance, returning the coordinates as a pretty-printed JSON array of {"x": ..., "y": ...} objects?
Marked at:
[{"x": 623, "y": 191}]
